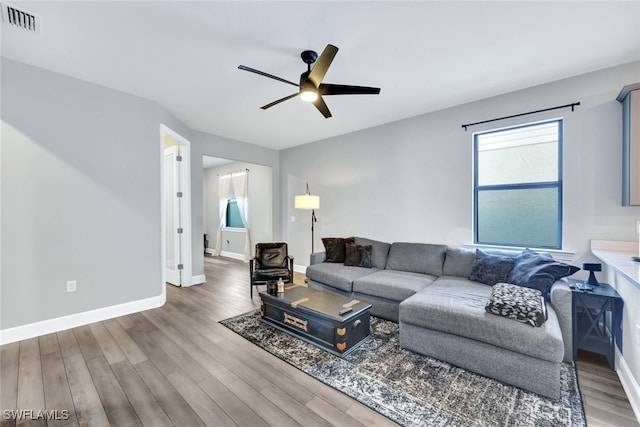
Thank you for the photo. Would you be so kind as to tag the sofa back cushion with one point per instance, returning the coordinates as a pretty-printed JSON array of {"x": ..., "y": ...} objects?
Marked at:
[
  {"x": 379, "y": 251},
  {"x": 422, "y": 258},
  {"x": 459, "y": 261}
]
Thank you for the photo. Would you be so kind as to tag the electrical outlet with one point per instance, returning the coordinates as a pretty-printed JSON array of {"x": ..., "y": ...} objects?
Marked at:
[
  {"x": 293, "y": 219},
  {"x": 72, "y": 286}
]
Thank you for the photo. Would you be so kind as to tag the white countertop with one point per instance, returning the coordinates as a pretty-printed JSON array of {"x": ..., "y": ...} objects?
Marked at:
[{"x": 617, "y": 255}]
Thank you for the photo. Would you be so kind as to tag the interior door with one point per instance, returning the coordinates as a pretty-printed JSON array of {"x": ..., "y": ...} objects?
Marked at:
[{"x": 173, "y": 216}]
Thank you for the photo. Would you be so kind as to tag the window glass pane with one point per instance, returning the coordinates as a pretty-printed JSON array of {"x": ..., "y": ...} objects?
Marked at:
[
  {"x": 522, "y": 155},
  {"x": 525, "y": 217},
  {"x": 233, "y": 215}
]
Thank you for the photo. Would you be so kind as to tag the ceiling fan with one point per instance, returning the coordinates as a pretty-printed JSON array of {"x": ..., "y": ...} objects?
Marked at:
[{"x": 311, "y": 89}]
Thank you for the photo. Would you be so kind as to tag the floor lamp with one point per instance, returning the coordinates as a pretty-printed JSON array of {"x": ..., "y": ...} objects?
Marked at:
[{"x": 308, "y": 202}]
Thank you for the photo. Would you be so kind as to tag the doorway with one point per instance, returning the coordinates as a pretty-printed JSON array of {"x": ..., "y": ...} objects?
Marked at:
[
  {"x": 259, "y": 207},
  {"x": 176, "y": 208}
]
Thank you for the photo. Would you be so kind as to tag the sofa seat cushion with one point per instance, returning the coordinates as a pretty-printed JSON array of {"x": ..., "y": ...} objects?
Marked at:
[
  {"x": 457, "y": 306},
  {"x": 337, "y": 275},
  {"x": 392, "y": 285},
  {"x": 417, "y": 258}
]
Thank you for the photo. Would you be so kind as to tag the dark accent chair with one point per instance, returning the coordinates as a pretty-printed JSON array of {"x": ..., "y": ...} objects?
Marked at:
[{"x": 271, "y": 262}]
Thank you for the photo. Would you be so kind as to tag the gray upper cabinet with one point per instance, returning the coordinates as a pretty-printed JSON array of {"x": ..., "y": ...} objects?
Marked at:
[{"x": 630, "y": 98}]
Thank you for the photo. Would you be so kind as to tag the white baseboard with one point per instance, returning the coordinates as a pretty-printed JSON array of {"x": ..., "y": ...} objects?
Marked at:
[
  {"x": 629, "y": 384},
  {"x": 197, "y": 280},
  {"x": 44, "y": 327},
  {"x": 232, "y": 255},
  {"x": 300, "y": 268},
  {"x": 226, "y": 254}
]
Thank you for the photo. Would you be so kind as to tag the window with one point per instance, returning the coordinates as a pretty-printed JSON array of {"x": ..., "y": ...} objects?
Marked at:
[
  {"x": 234, "y": 220},
  {"x": 518, "y": 186}
]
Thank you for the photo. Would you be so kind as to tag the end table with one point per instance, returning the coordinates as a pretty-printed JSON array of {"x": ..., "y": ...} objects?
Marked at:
[{"x": 597, "y": 319}]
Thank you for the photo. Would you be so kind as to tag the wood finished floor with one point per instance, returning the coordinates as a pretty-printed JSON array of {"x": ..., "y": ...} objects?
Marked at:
[{"x": 175, "y": 365}]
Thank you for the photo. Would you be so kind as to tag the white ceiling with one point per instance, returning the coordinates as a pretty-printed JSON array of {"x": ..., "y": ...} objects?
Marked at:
[
  {"x": 424, "y": 55},
  {"x": 210, "y": 162}
]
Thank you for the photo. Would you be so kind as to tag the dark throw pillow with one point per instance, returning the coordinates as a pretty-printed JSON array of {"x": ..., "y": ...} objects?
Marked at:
[
  {"x": 491, "y": 268},
  {"x": 358, "y": 255},
  {"x": 538, "y": 271},
  {"x": 525, "y": 305},
  {"x": 334, "y": 248}
]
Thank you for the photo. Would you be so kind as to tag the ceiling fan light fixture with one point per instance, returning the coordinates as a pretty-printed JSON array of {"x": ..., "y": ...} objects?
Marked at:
[
  {"x": 311, "y": 89},
  {"x": 309, "y": 95}
]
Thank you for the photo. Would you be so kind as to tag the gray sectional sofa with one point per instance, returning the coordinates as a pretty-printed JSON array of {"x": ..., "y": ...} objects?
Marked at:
[{"x": 441, "y": 312}]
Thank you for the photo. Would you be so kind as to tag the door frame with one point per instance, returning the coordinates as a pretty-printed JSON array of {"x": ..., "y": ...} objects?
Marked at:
[{"x": 185, "y": 178}]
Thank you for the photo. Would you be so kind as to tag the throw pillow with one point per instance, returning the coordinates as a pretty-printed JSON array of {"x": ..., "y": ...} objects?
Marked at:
[
  {"x": 358, "y": 255},
  {"x": 334, "y": 248},
  {"x": 538, "y": 271},
  {"x": 525, "y": 305},
  {"x": 491, "y": 268}
]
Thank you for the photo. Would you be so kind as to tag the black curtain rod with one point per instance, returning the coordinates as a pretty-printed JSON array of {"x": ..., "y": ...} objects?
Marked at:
[
  {"x": 232, "y": 173},
  {"x": 572, "y": 105}
]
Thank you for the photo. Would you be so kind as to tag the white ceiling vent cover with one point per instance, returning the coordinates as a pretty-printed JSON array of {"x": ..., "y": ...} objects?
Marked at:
[{"x": 20, "y": 18}]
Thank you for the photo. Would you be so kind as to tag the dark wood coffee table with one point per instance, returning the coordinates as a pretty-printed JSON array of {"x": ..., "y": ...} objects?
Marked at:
[{"x": 314, "y": 316}]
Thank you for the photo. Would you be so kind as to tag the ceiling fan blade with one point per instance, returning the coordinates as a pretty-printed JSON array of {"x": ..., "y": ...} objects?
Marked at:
[
  {"x": 262, "y": 73},
  {"x": 322, "y": 64},
  {"x": 264, "y": 107},
  {"x": 322, "y": 107},
  {"x": 329, "y": 89}
]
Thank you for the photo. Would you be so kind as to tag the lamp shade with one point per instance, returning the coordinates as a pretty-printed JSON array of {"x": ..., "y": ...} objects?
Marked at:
[{"x": 307, "y": 201}]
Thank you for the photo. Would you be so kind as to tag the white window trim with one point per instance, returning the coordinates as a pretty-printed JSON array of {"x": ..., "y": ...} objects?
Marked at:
[{"x": 234, "y": 229}]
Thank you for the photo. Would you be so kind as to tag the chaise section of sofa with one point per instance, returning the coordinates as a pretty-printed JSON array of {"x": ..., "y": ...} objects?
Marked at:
[
  {"x": 448, "y": 321},
  {"x": 441, "y": 312}
]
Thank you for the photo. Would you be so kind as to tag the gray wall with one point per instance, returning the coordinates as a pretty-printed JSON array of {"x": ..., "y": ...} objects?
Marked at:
[
  {"x": 80, "y": 183},
  {"x": 412, "y": 180},
  {"x": 260, "y": 207},
  {"x": 218, "y": 146},
  {"x": 80, "y": 196}
]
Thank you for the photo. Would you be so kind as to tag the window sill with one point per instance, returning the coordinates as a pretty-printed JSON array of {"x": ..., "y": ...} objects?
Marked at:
[
  {"x": 234, "y": 229},
  {"x": 557, "y": 254}
]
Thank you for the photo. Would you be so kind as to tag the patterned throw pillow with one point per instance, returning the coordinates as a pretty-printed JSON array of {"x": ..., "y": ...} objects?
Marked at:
[
  {"x": 525, "y": 305},
  {"x": 491, "y": 268},
  {"x": 358, "y": 255}
]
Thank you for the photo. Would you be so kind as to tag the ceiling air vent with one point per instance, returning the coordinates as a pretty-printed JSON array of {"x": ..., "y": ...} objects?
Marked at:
[{"x": 20, "y": 18}]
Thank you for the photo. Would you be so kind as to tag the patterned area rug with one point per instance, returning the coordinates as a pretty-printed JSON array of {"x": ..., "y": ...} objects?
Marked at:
[{"x": 415, "y": 390}]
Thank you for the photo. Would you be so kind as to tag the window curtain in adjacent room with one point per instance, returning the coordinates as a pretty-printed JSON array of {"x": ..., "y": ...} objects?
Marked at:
[
  {"x": 241, "y": 191},
  {"x": 225, "y": 192},
  {"x": 234, "y": 186}
]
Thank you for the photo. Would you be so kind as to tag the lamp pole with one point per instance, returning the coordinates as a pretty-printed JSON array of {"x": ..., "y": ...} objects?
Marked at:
[{"x": 313, "y": 220}]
